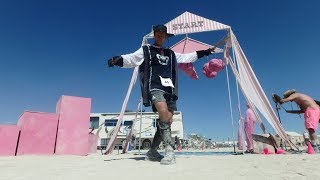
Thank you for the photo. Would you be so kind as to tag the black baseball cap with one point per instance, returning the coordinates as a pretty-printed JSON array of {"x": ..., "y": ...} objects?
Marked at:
[{"x": 161, "y": 28}]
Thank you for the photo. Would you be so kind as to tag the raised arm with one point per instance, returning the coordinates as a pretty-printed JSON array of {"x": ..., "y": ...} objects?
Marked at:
[{"x": 290, "y": 98}]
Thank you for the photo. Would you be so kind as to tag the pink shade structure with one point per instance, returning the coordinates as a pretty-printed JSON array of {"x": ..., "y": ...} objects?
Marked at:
[
  {"x": 8, "y": 139},
  {"x": 188, "y": 23},
  {"x": 93, "y": 142},
  {"x": 188, "y": 45},
  {"x": 74, "y": 118},
  {"x": 38, "y": 133}
]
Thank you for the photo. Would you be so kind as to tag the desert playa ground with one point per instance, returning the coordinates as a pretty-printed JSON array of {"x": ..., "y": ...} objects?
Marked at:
[{"x": 133, "y": 166}]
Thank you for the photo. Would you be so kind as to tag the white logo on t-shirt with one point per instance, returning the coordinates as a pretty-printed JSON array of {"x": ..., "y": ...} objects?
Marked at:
[{"x": 163, "y": 60}]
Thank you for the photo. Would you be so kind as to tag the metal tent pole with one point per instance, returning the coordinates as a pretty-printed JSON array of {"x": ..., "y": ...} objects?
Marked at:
[
  {"x": 230, "y": 104},
  {"x": 140, "y": 128}
]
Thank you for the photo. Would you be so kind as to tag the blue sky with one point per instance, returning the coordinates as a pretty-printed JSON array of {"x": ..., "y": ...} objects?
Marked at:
[{"x": 54, "y": 48}]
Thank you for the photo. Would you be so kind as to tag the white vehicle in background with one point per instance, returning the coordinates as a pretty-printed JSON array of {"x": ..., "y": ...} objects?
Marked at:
[{"x": 103, "y": 125}]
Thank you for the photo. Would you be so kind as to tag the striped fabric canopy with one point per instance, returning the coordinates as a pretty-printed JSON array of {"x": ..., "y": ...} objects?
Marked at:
[{"x": 188, "y": 23}]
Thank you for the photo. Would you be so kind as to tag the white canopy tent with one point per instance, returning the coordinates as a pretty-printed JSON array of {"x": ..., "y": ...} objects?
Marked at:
[{"x": 188, "y": 23}]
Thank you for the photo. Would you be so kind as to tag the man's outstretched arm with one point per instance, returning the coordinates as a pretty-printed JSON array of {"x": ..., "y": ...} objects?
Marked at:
[
  {"x": 127, "y": 60},
  {"x": 191, "y": 57}
]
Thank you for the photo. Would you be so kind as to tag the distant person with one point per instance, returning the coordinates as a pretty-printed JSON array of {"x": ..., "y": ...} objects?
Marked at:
[
  {"x": 249, "y": 124},
  {"x": 158, "y": 77},
  {"x": 311, "y": 112}
]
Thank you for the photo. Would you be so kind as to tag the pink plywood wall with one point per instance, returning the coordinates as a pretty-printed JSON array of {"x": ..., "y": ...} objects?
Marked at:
[
  {"x": 74, "y": 119},
  {"x": 38, "y": 133},
  {"x": 93, "y": 141},
  {"x": 8, "y": 139}
]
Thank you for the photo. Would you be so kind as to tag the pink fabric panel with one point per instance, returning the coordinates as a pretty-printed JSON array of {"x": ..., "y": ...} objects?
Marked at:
[
  {"x": 74, "y": 118},
  {"x": 8, "y": 139},
  {"x": 188, "y": 46},
  {"x": 112, "y": 142},
  {"x": 93, "y": 142},
  {"x": 38, "y": 133}
]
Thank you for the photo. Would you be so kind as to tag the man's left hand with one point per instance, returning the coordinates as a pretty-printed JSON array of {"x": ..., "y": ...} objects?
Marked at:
[
  {"x": 281, "y": 101},
  {"x": 110, "y": 62}
]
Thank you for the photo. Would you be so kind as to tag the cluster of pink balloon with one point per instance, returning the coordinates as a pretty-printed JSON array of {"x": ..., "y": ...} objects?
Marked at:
[{"x": 210, "y": 69}]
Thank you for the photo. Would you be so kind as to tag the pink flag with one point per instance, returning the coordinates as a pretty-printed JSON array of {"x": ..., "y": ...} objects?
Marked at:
[{"x": 112, "y": 141}]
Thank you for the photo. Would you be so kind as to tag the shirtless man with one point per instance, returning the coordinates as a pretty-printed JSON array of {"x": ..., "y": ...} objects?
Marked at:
[{"x": 311, "y": 112}]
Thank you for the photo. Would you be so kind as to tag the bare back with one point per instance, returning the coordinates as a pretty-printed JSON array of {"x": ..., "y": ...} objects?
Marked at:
[{"x": 304, "y": 101}]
